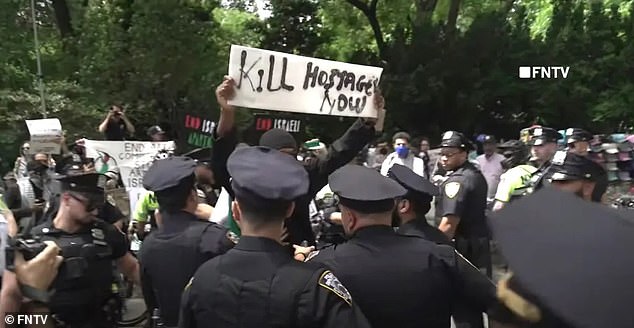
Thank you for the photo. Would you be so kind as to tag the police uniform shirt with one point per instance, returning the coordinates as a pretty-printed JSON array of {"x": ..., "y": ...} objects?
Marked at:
[
  {"x": 223, "y": 294},
  {"x": 397, "y": 280},
  {"x": 258, "y": 283},
  {"x": 170, "y": 256},
  {"x": 419, "y": 227},
  {"x": 464, "y": 194},
  {"x": 80, "y": 296}
]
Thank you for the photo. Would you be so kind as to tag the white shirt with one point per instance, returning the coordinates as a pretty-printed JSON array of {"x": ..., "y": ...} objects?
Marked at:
[
  {"x": 4, "y": 233},
  {"x": 492, "y": 169},
  {"x": 412, "y": 162},
  {"x": 220, "y": 214}
]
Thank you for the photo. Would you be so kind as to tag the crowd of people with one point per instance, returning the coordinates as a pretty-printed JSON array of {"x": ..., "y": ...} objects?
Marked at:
[{"x": 358, "y": 233}]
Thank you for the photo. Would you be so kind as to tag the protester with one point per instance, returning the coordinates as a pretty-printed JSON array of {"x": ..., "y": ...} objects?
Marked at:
[
  {"x": 490, "y": 164},
  {"x": 19, "y": 168},
  {"x": 116, "y": 126},
  {"x": 403, "y": 156},
  {"x": 340, "y": 152}
]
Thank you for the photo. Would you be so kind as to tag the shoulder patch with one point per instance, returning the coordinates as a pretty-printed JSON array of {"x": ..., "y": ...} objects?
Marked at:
[
  {"x": 233, "y": 237},
  {"x": 452, "y": 189},
  {"x": 330, "y": 282}
]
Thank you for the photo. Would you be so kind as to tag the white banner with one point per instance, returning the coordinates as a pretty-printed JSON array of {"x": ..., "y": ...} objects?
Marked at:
[
  {"x": 130, "y": 158},
  {"x": 290, "y": 83},
  {"x": 46, "y": 135}
]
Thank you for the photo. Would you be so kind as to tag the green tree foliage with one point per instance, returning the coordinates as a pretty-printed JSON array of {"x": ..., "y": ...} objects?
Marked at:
[{"x": 448, "y": 64}]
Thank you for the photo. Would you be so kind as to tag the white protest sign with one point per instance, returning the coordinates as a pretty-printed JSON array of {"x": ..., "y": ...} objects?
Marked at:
[
  {"x": 130, "y": 158},
  {"x": 46, "y": 135},
  {"x": 290, "y": 83}
]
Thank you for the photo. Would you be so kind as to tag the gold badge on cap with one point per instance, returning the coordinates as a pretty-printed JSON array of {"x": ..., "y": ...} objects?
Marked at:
[
  {"x": 447, "y": 135},
  {"x": 452, "y": 189}
]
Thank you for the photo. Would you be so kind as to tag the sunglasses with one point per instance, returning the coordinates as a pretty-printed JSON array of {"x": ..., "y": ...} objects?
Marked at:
[{"x": 91, "y": 203}]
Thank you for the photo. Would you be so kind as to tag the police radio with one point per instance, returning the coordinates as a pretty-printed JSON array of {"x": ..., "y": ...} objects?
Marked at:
[{"x": 28, "y": 246}]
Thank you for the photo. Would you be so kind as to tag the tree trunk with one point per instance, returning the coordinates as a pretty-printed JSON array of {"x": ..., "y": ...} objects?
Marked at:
[
  {"x": 424, "y": 12},
  {"x": 452, "y": 18},
  {"x": 62, "y": 16}
]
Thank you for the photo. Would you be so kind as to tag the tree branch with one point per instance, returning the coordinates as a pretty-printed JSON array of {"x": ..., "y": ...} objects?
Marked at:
[
  {"x": 452, "y": 18},
  {"x": 370, "y": 13}
]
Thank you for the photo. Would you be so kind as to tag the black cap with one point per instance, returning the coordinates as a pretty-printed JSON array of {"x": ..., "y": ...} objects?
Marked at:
[
  {"x": 278, "y": 139},
  {"x": 455, "y": 140},
  {"x": 511, "y": 145},
  {"x": 577, "y": 134},
  {"x": 262, "y": 174},
  {"x": 541, "y": 135},
  {"x": 580, "y": 267},
  {"x": 568, "y": 166},
  {"x": 413, "y": 182},
  {"x": 364, "y": 189},
  {"x": 169, "y": 173},
  {"x": 155, "y": 129},
  {"x": 91, "y": 183},
  {"x": 489, "y": 139},
  {"x": 200, "y": 155}
]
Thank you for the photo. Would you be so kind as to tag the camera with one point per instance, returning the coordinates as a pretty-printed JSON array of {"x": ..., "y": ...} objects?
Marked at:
[{"x": 29, "y": 247}]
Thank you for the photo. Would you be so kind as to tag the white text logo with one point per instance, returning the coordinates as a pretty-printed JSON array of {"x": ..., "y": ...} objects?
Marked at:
[{"x": 541, "y": 72}]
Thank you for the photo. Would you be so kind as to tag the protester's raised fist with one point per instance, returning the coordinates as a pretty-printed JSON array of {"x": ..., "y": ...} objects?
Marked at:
[
  {"x": 39, "y": 272},
  {"x": 225, "y": 92}
]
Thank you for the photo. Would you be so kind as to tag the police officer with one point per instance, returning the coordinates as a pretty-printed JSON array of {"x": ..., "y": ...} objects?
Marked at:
[
  {"x": 573, "y": 173},
  {"x": 462, "y": 201},
  {"x": 543, "y": 142},
  {"x": 578, "y": 142},
  {"x": 397, "y": 280},
  {"x": 171, "y": 255},
  {"x": 410, "y": 210},
  {"x": 259, "y": 276},
  {"x": 83, "y": 288},
  {"x": 515, "y": 182},
  {"x": 558, "y": 288},
  {"x": 205, "y": 182}
]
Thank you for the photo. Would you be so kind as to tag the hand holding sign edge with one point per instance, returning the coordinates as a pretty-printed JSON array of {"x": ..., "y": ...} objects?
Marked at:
[
  {"x": 379, "y": 103},
  {"x": 225, "y": 92}
]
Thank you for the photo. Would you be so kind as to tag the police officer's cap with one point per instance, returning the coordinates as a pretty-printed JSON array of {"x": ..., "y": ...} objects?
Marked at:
[
  {"x": 455, "y": 139},
  {"x": 568, "y": 166},
  {"x": 364, "y": 189},
  {"x": 170, "y": 173},
  {"x": 414, "y": 183},
  {"x": 91, "y": 183},
  {"x": 576, "y": 134},
  {"x": 262, "y": 174},
  {"x": 200, "y": 155},
  {"x": 542, "y": 135},
  {"x": 581, "y": 266}
]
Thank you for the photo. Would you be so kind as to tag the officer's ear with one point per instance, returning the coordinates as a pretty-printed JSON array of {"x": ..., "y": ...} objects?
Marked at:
[
  {"x": 237, "y": 213},
  {"x": 403, "y": 206}
]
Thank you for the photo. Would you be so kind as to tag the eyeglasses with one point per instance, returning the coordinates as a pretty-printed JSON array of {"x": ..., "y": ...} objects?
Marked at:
[
  {"x": 89, "y": 203},
  {"x": 25, "y": 148}
]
